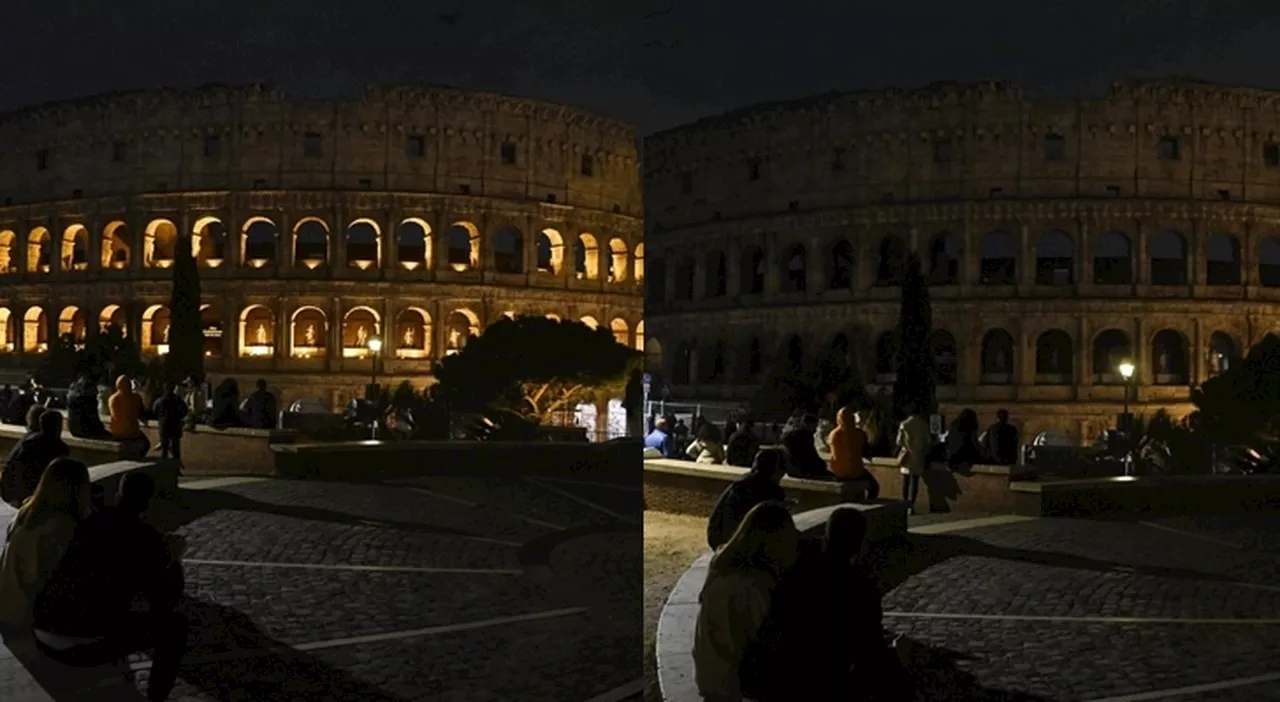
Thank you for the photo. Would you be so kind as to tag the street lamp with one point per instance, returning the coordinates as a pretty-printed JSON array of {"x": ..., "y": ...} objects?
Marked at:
[
  {"x": 375, "y": 347},
  {"x": 373, "y": 393},
  {"x": 1126, "y": 372}
]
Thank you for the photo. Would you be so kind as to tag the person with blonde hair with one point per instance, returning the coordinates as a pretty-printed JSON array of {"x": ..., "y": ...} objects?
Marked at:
[
  {"x": 736, "y": 597},
  {"x": 39, "y": 537}
]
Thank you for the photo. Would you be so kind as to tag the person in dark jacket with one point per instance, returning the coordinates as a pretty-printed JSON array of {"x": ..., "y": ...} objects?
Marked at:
[
  {"x": 759, "y": 485},
  {"x": 259, "y": 408},
  {"x": 226, "y": 405},
  {"x": 84, "y": 615},
  {"x": 20, "y": 402},
  {"x": 171, "y": 413},
  {"x": 83, "y": 420},
  {"x": 30, "y": 456},
  {"x": 799, "y": 443},
  {"x": 1000, "y": 445},
  {"x": 742, "y": 446},
  {"x": 963, "y": 449}
]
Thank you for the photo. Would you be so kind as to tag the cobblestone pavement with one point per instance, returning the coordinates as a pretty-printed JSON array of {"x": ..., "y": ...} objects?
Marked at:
[
  {"x": 1062, "y": 609},
  {"x": 415, "y": 591}
]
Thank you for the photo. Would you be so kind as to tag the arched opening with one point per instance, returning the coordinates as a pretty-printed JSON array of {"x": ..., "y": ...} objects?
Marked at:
[
  {"x": 891, "y": 261},
  {"x": 1168, "y": 258},
  {"x": 460, "y": 326},
  {"x": 257, "y": 332},
  {"x": 686, "y": 268},
  {"x": 1112, "y": 259},
  {"x": 1269, "y": 262},
  {"x": 840, "y": 265},
  {"x": 71, "y": 323},
  {"x": 552, "y": 316},
  {"x": 944, "y": 354},
  {"x": 259, "y": 241},
  {"x": 1222, "y": 260},
  {"x": 714, "y": 371},
  {"x": 310, "y": 243},
  {"x": 209, "y": 242},
  {"x": 621, "y": 331},
  {"x": 653, "y": 356},
  {"x": 617, "y": 260},
  {"x": 74, "y": 252},
  {"x": 887, "y": 358},
  {"x": 997, "y": 358},
  {"x": 1111, "y": 347},
  {"x": 508, "y": 250},
  {"x": 1222, "y": 353},
  {"x": 35, "y": 331},
  {"x": 998, "y": 259},
  {"x": 359, "y": 325},
  {"x": 716, "y": 274},
  {"x": 638, "y": 263},
  {"x": 1053, "y": 358},
  {"x": 413, "y": 329},
  {"x": 39, "y": 251},
  {"x": 640, "y": 335},
  {"x": 840, "y": 347},
  {"x": 310, "y": 332},
  {"x": 1169, "y": 358},
  {"x": 113, "y": 316},
  {"x": 751, "y": 271},
  {"x": 463, "y": 240},
  {"x": 115, "y": 246},
  {"x": 1055, "y": 259},
  {"x": 363, "y": 241},
  {"x": 656, "y": 289},
  {"x": 8, "y": 331},
  {"x": 413, "y": 244},
  {"x": 8, "y": 261},
  {"x": 211, "y": 330},
  {"x": 590, "y": 322},
  {"x": 944, "y": 259},
  {"x": 155, "y": 330},
  {"x": 550, "y": 251},
  {"x": 682, "y": 364},
  {"x": 159, "y": 242},
  {"x": 586, "y": 257},
  {"x": 755, "y": 359},
  {"x": 795, "y": 269},
  {"x": 792, "y": 353}
]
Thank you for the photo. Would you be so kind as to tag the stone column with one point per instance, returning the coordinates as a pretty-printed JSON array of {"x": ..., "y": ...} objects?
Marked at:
[
  {"x": 390, "y": 338},
  {"x": 1084, "y": 255},
  {"x": 234, "y": 255},
  {"x": 1141, "y": 265},
  {"x": 1199, "y": 273},
  {"x": 1142, "y": 352},
  {"x": 390, "y": 245},
  {"x": 440, "y": 243},
  {"x": 136, "y": 224},
  {"x": 1084, "y": 366},
  {"x": 335, "y": 350},
  {"x": 1249, "y": 255},
  {"x": 438, "y": 324},
  {"x": 864, "y": 262},
  {"x": 733, "y": 268},
  {"x": 669, "y": 276},
  {"x": 93, "y": 247},
  {"x": 338, "y": 242},
  {"x": 231, "y": 332},
  {"x": 284, "y": 332},
  {"x": 284, "y": 243},
  {"x": 1198, "y": 352},
  {"x": 1026, "y": 266},
  {"x": 1024, "y": 356}
]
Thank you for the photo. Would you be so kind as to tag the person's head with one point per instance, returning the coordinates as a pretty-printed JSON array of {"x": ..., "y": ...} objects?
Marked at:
[
  {"x": 33, "y": 417},
  {"x": 51, "y": 423},
  {"x": 191, "y": 381},
  {"x": 770, "y": 464},
  {"x": 1002, "y": 416},
  {"x": 124, "y": 384},
  {"x": 662, "y": 425},
  {"x": 765, "y": 540},
  {"x": 809, "y": 422},
  {"x": 966, "y": 421},
  {"x": 135, "y": 492},
  {"x": 261, "y": 385},
  {"x": 845, "y": 533},
  {"x": 747, "y": 424},
  {"x": 847, "y": 417},
  {"x": 709, "y": 433},
  {"x": 64, "y": 489}
]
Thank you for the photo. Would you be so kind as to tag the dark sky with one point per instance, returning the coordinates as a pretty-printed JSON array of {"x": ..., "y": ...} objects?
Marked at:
[{"x": 725, "y": 53}]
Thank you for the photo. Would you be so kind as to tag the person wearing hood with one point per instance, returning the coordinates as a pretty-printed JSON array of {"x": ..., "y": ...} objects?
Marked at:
[
  {"x": 126, "y": 412},
  {"x": 226, "y": 405},
  {"x": 800, "y": 446},
  {"x": 962, "y": 445},
  {"x": 848, "y": 441},
  {"x": 30, "y": 457},
  {"x": 760, "y": 484},
  {"x": 83, "y": 420}
]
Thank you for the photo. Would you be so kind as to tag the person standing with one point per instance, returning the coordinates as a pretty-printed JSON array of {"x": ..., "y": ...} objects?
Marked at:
[
  {"x": 171, "y": 413},
  {"x": 914, "y": 442}
]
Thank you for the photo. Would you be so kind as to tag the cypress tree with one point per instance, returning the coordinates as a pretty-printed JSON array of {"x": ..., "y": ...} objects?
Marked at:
[
  {"x": 915, "y": 365},
  {"x": 186, "y": 338}
]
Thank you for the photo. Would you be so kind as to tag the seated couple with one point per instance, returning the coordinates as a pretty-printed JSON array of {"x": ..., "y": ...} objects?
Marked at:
[
  {"x": 786, "y": 619},
  {"x": 69, "y": 576},
  {"x": 847, "y": 443}
]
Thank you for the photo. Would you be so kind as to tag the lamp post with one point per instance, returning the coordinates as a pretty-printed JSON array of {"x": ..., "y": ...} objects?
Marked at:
[
  {"x": 375, "y": 347},
  {"x": 1126, "y": 372},
  {"x": 373, "y": 393}
]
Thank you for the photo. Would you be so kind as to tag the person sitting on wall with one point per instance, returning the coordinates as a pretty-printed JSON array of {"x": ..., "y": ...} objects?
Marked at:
[
  {"x": 259, "y": 408},
  {"x": 708, "y": 447},
  {"x": 21, "y": 402},
  {"x": 799, "y": 443},
  {"x": 847, "y": 442},
  {"x": 759, "y": 485},
  {"x": 197, "y": 403},
  {"x": 171, "y": 412},
  {"x": 661, "y": 440},
  {"x": 83, "y": 420},
  {"x": 226, "y": 405},
  {"x": 125, "y": 426},
  {"x": 962, "y": 446},
  {"x": 30, "y": 457},
  {"x": 743, "y": 445},
  {"x": 1000, "y": 443}
]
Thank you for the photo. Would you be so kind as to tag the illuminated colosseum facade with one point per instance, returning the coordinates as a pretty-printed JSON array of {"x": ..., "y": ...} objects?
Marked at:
[
  {"x": 418, "y": 215},
  {"x": 1058, "y": 238}
]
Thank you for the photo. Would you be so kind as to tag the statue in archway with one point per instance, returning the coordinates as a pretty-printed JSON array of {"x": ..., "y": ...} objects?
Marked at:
[
  {"x": 1164, "y": 361},
  {"x": 409, "y": 337},
  {"x": 455, "y": 339},
  {"x": 1001, "y": 362},
  {"x": 309, "y": 335},
  {"x": 362, "y": 336},
  {"x": 260, "y": 335},
  {"x": 164, "y": 335}
]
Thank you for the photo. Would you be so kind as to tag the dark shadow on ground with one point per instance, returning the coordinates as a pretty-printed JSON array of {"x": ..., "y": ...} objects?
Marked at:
[
  {"x": 936, "y": 676},
  {"x": 218, "y": 662},
  {"x": 65, "y": 684}
]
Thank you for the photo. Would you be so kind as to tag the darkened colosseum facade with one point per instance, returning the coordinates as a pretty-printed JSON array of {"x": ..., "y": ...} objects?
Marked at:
[
  {"x": 417, "y": 214},
  {"x": 1058, "y": 238}
]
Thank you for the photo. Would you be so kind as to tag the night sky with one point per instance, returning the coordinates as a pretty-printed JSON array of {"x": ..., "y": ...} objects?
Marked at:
[{"x": 702, "y": 57}]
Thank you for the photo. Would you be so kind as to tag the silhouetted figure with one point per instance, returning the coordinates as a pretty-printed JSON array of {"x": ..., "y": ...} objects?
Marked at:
[
  {"x": 226, "y": 405},
  {"x": 259, "y": 407},
  {"x": 171, "y": 415},
  {"x": 680, "y": 430},
  {"x": 962, "y": 445},
  {"x": 20, "y": 402},
  {"x": 30, "y": 457},
  {"x": 801, "y": 449},
  {"x": 742, "y": 446},
  {"x": 84, "y": 616},
  {"x": 83, "y": 420},
  {"x": 197, "y": 404},
  {"x": 914, "y": 442},
  {"x": 126, "y": 415},
  {"x": 1000, "y": 445},
  {"x": 742, "y": 495},
  {"x": 6, "y": 395}
]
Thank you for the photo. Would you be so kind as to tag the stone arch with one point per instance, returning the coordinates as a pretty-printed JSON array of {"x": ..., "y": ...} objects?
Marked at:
[
  {"x": 840, "y": 265},
  {"x": 656, "y": 289},
  {"x": 686, "y": 269},
  {"x": 586, "y": 257},
  {"x": 998, "y": 259},
  {"x": 259, "y": 242},
  {"x": 1269, "y": 262},
  {"x": 653, "y": 355},
  {"x": 1111, "y": 347},
  {"x": 211, "y": 329},
  {"x": 751, "y": 271},
  {"x": 462, "y": 241},
  {"x": 209, "y": 242},
  {"x": 1112, "y": 259},
  {"x": 891, "y": 261},
  {"x": 549, "y": 248},
  {"x": 74, "y": 249},
  {"x": 155, "y": 329},
  {"x": 795, "y": 268},
  {"x": 35, "y": 330},
  {"x": 413, "y": 244},
  {"x": 617, "y": 260},
  {"x": 638, "y": 263},
  {"x": 1222, "y": 259},
  {"x": 717, "y": 274},
  {"x": 755, "y": 359},
  {"x": 113, "y": 315},
  {"x": 1170, "y": 360},
  {"x": 944, "y": 259},
  {"x": 8, "y": 260},
  {"x": 945, "y": 356},
  {"x": 639, "y": 345},
  {"x": 257, "y": 337},
  {"x": 1168, "y": 258},
  {"x": 590, "y": 322},
  {"x": 159, "y": 242},
  {"x": 413, "y": 333},
  {"x": 997, "y": 357},
  {"x": 359, "y": 325},
  {"x": 8, "y": 331},
  {"x": 886, "y": 358},
  {"x": 1055, "y": 258},
  {"x": 310, "y": 243},
  {"x": 310, "y": 326},
  {"x": 461, "y": 325},
  {"x": 39, "y": 251},
  {"x": 508, "y": 250},
  {"x": 71, "y": 323},
  {"x": 362, "y": 244},
  {"x": 1223, "y": 351},
  {"x": 1054, "y": 358},
  {"x": 621, "y": 331},
  {"x": 552, "y": 316}
]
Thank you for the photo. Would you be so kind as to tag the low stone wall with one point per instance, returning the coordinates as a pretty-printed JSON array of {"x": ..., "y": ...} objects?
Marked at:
[
  {"x": 90, "y": 451},
  {"x": 979, "y": 489},
  {"x": 1149, "y": 496},
  {"x": 383, "y": 460}
]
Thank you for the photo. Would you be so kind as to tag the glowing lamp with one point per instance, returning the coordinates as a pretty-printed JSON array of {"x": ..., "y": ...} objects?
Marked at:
[
  {"x": 375, "y": 344},
  {"x": 1126, "y": 370}
]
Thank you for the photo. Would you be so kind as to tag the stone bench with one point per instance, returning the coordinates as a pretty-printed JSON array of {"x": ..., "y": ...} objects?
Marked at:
[
  {"x": 1148, "y": 495},
  {"x": 885, "y": 520}
]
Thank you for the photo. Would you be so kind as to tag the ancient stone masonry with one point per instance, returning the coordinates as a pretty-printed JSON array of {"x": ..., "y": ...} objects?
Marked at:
[
  {"x": 1058, "y": 238},
  {"x": 417, "y": 215}
]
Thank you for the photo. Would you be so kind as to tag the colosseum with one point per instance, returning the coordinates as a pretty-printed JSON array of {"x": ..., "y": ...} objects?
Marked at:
[
  {"x": 416, "y": 215},
  {"x": 1058, "y": 239}
]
